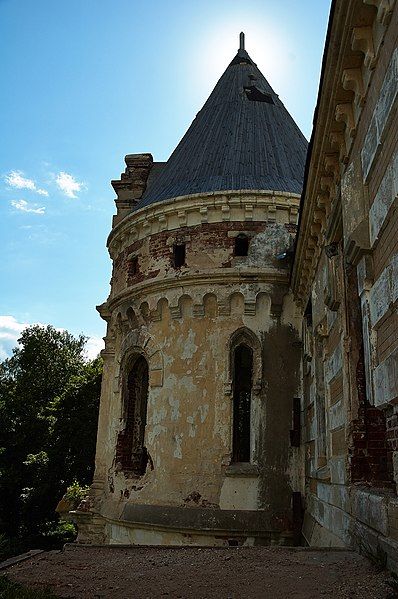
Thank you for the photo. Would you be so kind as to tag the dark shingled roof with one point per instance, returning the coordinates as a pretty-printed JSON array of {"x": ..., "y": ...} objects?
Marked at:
[{"x": 234, "y": 142}]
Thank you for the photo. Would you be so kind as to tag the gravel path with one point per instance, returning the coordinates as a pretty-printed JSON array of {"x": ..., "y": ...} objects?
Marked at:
[{"x": 203, "y": 573}]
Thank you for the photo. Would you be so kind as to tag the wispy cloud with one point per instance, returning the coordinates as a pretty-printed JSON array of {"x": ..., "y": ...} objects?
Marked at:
[
  {"x": 68, "y": 184},
  {"x": 11, "y": 329},
  {"x": 24, "y": 206},
  {"x": 17, "y": 180}
]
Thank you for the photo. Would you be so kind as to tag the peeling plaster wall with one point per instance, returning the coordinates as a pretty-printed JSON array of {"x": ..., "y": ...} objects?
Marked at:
[
  {"x": 208, "y": 246},
  {"x": 182, "y": 320},
  {"x": 188, "y": 433}
]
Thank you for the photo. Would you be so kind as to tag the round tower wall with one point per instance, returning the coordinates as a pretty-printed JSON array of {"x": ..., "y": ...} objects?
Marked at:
[{"x": 184, "y": 322}]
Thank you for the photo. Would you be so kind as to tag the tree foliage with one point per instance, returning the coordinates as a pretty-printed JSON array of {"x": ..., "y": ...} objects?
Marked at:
[{"x": 49, "y": 397}]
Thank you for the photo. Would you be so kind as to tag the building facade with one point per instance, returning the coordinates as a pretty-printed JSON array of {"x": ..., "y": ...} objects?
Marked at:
[
  {"x": 202, "y": 356},
  {"x": 345, "y": 279},
  {"x": 249, "y": 378}
]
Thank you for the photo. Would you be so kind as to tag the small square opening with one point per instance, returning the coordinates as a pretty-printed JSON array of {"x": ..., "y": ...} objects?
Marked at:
[
  {"x": 133, "y": 266},
  {"x": 179, "y": 255},
  {"x": 241, "y": 245}
]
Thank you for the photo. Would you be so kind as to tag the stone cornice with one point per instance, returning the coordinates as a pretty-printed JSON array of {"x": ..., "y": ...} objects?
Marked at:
[
  {"x": 253, "y": 205},
  {"x": 355, "y": 36},
  {"x": 219, "y": 276}
]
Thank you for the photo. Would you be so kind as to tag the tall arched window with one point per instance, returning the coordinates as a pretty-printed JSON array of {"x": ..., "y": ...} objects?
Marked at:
[
  {"x": 130, "y": 450},
  {"x": 242, "y": 390}
]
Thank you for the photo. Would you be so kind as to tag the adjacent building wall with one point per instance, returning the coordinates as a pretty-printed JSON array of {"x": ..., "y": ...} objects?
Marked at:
[{"x": 345, "y": 278}]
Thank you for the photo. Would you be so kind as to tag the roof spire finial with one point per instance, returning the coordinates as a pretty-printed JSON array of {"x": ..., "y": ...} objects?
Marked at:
[{"x": 241, "y": 41}]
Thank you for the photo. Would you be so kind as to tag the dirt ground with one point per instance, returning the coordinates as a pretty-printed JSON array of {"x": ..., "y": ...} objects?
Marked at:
[{"x": 203, "y": 573}]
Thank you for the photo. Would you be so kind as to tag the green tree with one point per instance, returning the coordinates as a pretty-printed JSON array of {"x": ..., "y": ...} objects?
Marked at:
[{"x": 49, "y": 396}]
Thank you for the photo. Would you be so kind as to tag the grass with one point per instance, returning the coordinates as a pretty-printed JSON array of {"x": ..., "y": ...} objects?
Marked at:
[{"x": 14, "y": 590}]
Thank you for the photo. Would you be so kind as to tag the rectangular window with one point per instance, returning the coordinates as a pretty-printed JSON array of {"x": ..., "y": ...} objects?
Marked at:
[
  {"x": 241, "y": 245},
  {"x": 179, "y": 255},
  {"x": 133, "y": 266}
]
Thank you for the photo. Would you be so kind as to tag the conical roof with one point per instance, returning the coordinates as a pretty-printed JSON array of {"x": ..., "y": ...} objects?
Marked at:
[{"x": 243, "y": 138}]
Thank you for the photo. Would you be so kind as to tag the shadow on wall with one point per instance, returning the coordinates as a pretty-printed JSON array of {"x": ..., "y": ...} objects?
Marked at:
[{"x": 281, "y": 382}]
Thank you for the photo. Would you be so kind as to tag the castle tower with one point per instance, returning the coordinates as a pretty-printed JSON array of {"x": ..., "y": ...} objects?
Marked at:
[{"x": 201, "y": 364}]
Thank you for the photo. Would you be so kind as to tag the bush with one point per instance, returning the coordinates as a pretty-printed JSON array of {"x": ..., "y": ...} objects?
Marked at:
[
  {"x": 56, "y": 534},
  {"x": 75, "y": 493}
]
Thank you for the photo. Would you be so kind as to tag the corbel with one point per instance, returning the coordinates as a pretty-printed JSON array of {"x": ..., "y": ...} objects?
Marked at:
[
  {"x": 362, "y": 41},
  {"x": 337, "y": 142},
  {"x": 203, "y": 214},
  {"x": 182, "y": 218},
  {"x": 332, "y": 165},
  {"x": 293, "y": 214},
  {"x": 162, "y": 222},
  {"x": 352, "y": 80},
  {"x": 384, "y": 10},
  {"x": 345, "y": 114},
  {"x": 248, "y": 211},
  {"x": 225, "y": 212},
  {"x": 271, "y": 213}
]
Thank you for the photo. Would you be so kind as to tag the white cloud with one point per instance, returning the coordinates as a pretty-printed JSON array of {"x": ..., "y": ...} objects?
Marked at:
[
  {"x": 23, "y": 206},
  {"x": 17, "y": 180},
  {"x": 11, "y": 329},
  {"x": 93, "y": 347},
  {"x": 68, "y": 184},
  {"x": 11, "y": 323}
]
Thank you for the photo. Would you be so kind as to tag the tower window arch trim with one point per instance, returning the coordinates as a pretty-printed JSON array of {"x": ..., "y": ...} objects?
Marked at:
[
  {"x": 245, "y": 375},
  {"x": 131, "y": 453}
]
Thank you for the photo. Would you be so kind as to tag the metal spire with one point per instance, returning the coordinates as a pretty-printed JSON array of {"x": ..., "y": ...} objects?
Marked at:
[{"x": 241, "y": 41}]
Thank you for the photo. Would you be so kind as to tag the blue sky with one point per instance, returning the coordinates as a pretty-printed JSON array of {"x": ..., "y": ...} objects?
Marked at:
[{"x": 86, "y": 82}]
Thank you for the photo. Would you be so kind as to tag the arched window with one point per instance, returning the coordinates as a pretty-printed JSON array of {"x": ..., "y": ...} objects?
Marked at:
[
  {"x": 242, "y": 391},
  {"x": 130, "y": 451}
]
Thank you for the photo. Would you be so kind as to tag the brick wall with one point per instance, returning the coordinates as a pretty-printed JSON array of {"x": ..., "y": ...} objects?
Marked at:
[
  {"x": 370, "y": 450},
  {"x": 207, "y": 238},
  {"x": 387, "y": 245}
]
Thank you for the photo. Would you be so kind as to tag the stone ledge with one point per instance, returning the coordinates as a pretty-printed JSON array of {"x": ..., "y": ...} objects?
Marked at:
[
  {"x": 242, "y": 469},
  {"x": 264, "y": 206},
  {"x": 214, "y": 520}
]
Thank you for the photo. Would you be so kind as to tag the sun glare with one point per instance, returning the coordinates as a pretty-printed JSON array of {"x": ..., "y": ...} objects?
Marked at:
[{"x": 266, "y": 44}]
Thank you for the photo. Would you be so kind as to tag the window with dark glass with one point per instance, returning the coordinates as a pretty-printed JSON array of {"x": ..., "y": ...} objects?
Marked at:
[{"x": 242, "y": 388}]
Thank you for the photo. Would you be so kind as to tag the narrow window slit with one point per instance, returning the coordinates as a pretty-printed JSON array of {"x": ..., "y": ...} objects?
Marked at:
[
  {"x": 133, "y": 266},
  {"x": 242, "y": 387},
  {"x": 241, "y": 245},
  {"x": 179, "y": 255}
]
